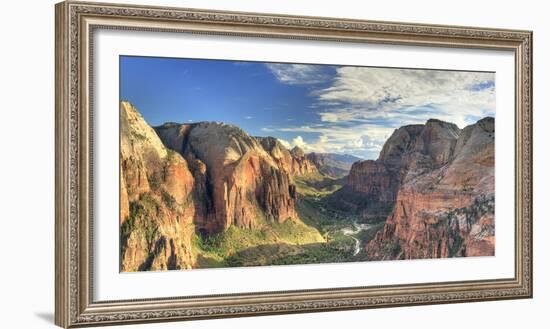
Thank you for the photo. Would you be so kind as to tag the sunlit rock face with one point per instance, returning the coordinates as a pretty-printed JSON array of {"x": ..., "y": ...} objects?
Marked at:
[
  {"x": 155, "y": 233},
  {"x": 239, "y": 180},
  {"x": 294, "y": 162},
  {"x": 444, "y": 203}
]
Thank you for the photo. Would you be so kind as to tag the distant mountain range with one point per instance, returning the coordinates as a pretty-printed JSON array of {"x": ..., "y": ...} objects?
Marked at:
[
  {"x": 332, "y": 164},
  {"x": 208, "y": 194}
]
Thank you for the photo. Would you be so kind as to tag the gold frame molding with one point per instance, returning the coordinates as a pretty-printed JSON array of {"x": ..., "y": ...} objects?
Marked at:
[{"x": 76, "y": 22}]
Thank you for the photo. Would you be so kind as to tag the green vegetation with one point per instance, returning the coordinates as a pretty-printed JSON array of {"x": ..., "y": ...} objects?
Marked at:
[
  {"x": 168, "y": 199},
  {"x": 207, "y": 257},
  {"x": 138, "y": 136},
  {"x": 220, "y": 249},
  {"x": 314, "y": 212},
  {"x": 316, "y": 185},
  {"x": 373, "y": 211},
  {"x": 170, "y": 154},
  {"x": 235, "y": 238},
  {"x": 125, "y": 230},
  {"x": 365, "y": 236},
  {"x": 142, "y": 224},
  {"x": 448, "y": 223},
  {"x": 322, "y": 234},
  {"x": 155, "y": 181},
  {"x": 339, "y": 249},
  {"x": 317, "y": 238},
  {"x": 334, "y": 252}
]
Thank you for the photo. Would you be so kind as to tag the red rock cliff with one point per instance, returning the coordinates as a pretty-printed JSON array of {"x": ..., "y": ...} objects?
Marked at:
[
  {"x": 372, "y": 186},
  {"x": 292, "y": 161},
  {"x": 445, "y": 203},
  {"x": 236, "y": 180},
  {"x": 155, "y": 235}
]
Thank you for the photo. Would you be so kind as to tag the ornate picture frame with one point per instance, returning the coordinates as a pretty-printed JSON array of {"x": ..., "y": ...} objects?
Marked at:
[{"x": 76, "y": 22}]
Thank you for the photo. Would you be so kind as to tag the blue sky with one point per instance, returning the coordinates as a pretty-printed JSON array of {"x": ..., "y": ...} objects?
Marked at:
[{"x": 320, "y": 108}]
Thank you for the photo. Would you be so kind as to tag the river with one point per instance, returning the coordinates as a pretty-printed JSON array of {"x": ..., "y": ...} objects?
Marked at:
[{"x": 350, "y": 231}]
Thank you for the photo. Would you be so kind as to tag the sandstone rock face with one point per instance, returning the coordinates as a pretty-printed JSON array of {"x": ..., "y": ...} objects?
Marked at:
[
  {"x": 294, "y": 162},
  {"x": 236, "y": 181},
  {"x": 401, "y": 142},
  {"x": 173, "y": 135},
  {"x": 372, "y": 186},
  {"x": 444, "y": 206},
  {"x": 373, "y": 180},
  {"x": 155, "y": 235},
  {"x": 301, "y": 165}
]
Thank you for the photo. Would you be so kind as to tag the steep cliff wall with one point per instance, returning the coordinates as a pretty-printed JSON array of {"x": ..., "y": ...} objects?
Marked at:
[
  {"x": 372, "y": 186},
  {"x": 292, "y": 161},
  {"x": 237, "y": 180},
  {"x": 155, "y": 234},
  {"x": 445, "y": 207}
]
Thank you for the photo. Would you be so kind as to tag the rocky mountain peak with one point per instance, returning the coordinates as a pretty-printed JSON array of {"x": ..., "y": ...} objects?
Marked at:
[
  {"x": 240, "y": 178},
  {"x": 135, "y": 132},
  {"x": 412, "y": 151},
  {"x": 445, "y": 201},
  {"x": 435, "y": 139},
  {"x": 442, "y": 123},
  {"x": 332, "y": 164},
  {"x": 152, "y": 180},
  {"x": 487, "y": 124},
  {"x": 401, "y": 141},
  {"x": 298, "y": 152},
  {"x": 174, "y": 135},
  {"x": 269, "y": 143}
]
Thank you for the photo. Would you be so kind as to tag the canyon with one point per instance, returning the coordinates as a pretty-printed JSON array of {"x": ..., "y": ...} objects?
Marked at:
[
  {"x": 440, "y": 180},
  {"x": 208, "y": 194}
]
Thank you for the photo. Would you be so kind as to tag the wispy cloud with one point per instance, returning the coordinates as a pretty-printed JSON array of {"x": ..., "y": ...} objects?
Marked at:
[
  {"x": 248, "y": 117},
  {"x": 404, "y": 96},
  {"x": 362, "y": 140},
  {"x": 299, "y": 74},
  {"x": 361, "y": 106}
]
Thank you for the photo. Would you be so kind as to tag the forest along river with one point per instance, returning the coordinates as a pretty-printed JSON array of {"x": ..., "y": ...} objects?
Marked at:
[{"x": 350, "y": 231}]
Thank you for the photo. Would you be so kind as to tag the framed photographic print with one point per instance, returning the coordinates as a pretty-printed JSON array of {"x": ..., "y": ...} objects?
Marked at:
[{"x": 218, "y": 164}]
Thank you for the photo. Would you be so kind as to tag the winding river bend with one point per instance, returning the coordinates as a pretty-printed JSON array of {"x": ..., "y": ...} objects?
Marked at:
[{"x": 351, "y": 231}]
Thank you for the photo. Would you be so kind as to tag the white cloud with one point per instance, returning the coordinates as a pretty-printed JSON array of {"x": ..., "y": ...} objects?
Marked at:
[
  {"x": 296, "y": 141},
  {"x": 248, "y": 117},
  {"x": 299, "y": 141},
  {"x": 285, "y": 143},
  {"x": 294, "y": 74},
  {"x": 407, "y": 96},
  {"x": 347, "y": 135},
  {"x": 363, "y": 140},
  {"x": 362, "y": 106}
]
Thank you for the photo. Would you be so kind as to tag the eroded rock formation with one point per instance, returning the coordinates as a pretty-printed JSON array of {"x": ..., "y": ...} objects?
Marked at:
[
  {"x": 237, "y": 181},
  {"x": 155, "y": 234},
  {"x": 444, "y": 205},
  {"x": 294, "y": 161}
]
